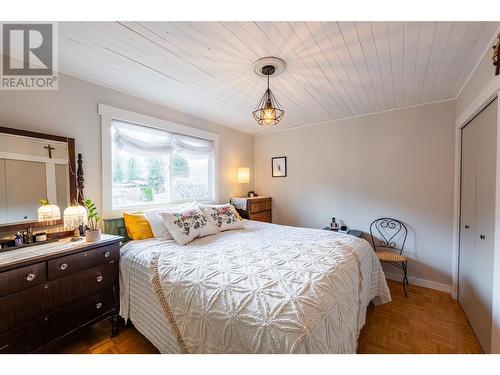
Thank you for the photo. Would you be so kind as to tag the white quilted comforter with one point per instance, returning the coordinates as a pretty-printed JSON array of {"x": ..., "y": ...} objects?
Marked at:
[{"x": 265, "y": 289}]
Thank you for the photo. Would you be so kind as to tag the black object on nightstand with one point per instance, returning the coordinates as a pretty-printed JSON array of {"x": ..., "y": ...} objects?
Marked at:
[
  {"x": 352, "y": 232},
  {"x": 355, "y": 233}
]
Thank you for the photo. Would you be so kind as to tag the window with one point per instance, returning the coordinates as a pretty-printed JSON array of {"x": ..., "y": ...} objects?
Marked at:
[
  {"x": 148, "y": 165},
  {"x": 152, "y": 166}
]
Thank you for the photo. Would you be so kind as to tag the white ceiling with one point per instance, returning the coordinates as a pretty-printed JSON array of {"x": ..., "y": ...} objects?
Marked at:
[{"x": 334, "y": 69}]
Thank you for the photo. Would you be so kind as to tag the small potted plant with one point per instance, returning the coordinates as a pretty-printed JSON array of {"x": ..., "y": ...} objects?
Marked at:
[{"x": 93, "y": 233}]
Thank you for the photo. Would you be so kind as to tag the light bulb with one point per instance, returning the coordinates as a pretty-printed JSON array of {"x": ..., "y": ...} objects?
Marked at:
[{"x": 269, "y": 113}]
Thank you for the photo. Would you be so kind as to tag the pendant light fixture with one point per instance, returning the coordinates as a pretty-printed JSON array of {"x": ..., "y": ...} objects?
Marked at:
[{"x": 269, "y": 111}]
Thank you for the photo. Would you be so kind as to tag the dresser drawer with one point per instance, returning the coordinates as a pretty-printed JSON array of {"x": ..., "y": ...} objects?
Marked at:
[
  {"x": 42, "y": 331},
  {"x": 22, "y": 278},
  {"x": 82, "y": 284},
  {"x": 73, "y": 263},
  {"x": 259, "y": 206},
  {"x": 24, "y": 339},
  {"x": 262, "y": 216},
  {"x": 21, "y": 307},
  {"x": 79, "y": 313}
]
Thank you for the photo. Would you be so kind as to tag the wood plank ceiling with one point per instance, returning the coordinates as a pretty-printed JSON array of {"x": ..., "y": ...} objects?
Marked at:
[{"x": 334, "y": 69}]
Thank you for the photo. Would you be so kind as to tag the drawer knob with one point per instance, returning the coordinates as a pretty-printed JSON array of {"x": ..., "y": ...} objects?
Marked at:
[
  {"x": 107, "y": 254},
  {"x": 98, "y": 305},
  {"x": 30, "y": 276},
  {"x": 99, "y": 278},
  {"x": 63, "y": 266}
]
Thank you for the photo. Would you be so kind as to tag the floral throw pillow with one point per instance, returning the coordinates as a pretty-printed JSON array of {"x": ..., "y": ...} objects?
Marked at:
[
  {"x": 155, "y": 220},
  {"x": 188, "y": 224},
  {"x": 224, "y": 216}
]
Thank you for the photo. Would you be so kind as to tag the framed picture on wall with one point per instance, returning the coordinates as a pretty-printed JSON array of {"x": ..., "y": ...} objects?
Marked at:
[{"x": 279, "y": 166}]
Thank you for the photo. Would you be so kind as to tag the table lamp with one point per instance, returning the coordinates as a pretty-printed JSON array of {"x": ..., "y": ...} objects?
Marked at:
[
  {"x": 48, "y": 211},
  {"x": 75, "y": 217},
  {"x": 243, "y": 176}
]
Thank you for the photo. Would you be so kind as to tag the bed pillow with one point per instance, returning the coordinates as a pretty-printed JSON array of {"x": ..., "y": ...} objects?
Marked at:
[
  {"x": 137, "y": 226},
  {"x": 187, "y": 224},
  {"x": 158, "y": 226},
  {"x": 224, "y": 216}
]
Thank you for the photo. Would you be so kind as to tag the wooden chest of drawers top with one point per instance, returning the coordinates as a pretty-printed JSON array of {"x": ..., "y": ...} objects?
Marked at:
[
  {"x": 252, "y": 204},
  {"x": 17, "y": 258},
  {"x": 256, "y": 208}
]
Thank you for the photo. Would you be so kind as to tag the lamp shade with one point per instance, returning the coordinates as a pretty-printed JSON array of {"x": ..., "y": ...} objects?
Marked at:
[
  {"x": 74, "y": 216},
  {"x": 49, "y": 212},
  {"x": 243, "y": 175}
]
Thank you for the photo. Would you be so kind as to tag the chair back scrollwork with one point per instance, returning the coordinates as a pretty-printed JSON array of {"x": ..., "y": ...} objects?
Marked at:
[{"x": 388, "y": 233}]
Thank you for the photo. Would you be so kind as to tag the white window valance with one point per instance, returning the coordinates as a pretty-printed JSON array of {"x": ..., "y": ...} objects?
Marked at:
[{"x": 152, "y": 141}]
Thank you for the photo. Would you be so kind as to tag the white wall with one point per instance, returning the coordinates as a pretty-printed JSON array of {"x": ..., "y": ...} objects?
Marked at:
[
  {"x": 481, "y": 87},
  {"x": 481, "y": 84},
  {"x": 71, "y": 111},
  {"x": 397, "y": 164}
]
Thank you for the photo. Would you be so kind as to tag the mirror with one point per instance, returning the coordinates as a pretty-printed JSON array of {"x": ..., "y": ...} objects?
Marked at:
[{"x": 34, "y": 166}]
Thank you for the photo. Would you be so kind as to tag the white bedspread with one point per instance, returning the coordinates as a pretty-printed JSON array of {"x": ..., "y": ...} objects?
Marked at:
[{"x": 265, "y": 289}]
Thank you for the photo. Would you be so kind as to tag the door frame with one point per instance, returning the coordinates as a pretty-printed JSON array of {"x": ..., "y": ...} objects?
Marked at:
[
  {"x": 481, "y": 104},
  {"x": 489, "y": 93}
]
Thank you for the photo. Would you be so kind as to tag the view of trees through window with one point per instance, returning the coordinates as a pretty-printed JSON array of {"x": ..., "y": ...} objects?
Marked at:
[{"x": 140, "y": 180}]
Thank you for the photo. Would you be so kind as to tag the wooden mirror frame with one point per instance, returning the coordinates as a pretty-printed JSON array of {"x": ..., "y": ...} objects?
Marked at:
[{"x": 72, "y": 178}]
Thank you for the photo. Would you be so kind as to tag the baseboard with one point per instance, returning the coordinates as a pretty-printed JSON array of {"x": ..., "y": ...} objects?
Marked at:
[{"x": 420, "y": 282}]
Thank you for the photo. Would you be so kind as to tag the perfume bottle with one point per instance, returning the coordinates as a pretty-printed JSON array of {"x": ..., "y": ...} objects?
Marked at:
[
  {"x": 18, "y": 241},
  {"x": 334, "y": 225}
]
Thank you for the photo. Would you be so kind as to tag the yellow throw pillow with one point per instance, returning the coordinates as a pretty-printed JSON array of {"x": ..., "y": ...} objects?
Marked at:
[{"x": 137, "y": 225}]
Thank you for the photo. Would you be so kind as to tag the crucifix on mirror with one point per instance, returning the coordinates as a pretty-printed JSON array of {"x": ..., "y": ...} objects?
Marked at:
[{"x": 49, "y": 148}]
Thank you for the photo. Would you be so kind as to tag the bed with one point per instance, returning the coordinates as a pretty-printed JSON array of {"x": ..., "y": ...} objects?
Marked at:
[{"x": 265, "y": 289}]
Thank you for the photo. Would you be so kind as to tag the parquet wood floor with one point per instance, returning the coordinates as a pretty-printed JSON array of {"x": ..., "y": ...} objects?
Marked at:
[{"x": 428, "y": 321}]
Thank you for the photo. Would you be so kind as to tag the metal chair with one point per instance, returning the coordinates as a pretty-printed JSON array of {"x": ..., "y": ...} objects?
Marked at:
[{"x": 391, "y": 235}]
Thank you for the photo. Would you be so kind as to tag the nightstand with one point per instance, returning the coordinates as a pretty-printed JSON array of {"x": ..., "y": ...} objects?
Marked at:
[
  {"x": 352, "y": 232},
  {"x": 255, "y": 208}
]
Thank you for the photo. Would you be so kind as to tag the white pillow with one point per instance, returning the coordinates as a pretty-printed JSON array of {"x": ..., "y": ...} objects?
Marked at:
[
  {"x": 185, "y": 225},
  {"x": 156, "y": 222},
  {"x": 224, "y": 216}
]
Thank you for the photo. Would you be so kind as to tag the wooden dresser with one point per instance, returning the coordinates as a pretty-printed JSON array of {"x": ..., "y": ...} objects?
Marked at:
[
  {"x": 50, "y": 290},
  {"x": 256, "y": 208}
]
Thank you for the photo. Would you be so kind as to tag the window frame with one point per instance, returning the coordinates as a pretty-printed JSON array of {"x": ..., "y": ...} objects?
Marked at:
[{"x": 109, "y": 113}]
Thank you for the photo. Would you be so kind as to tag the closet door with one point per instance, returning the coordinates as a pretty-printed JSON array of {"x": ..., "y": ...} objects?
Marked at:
[
  {"x": 26, "y": 185},
  {"x": 467, "y": 267},
  {"x": 478, "y": 221}
]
